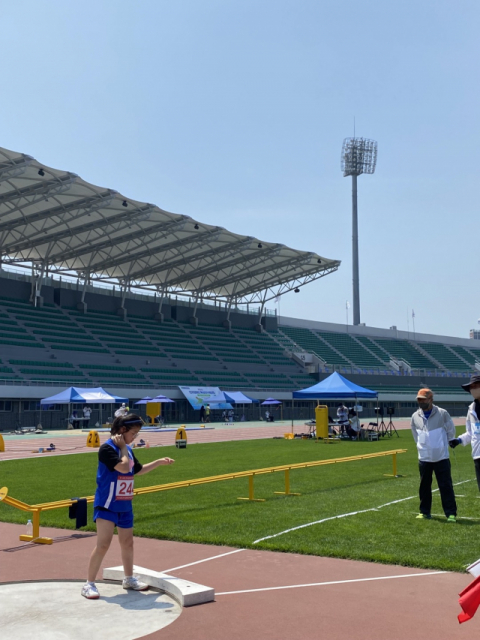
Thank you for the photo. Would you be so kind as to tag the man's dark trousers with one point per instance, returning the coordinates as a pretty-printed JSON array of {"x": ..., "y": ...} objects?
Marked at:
[{"x": 443, "y": 475}]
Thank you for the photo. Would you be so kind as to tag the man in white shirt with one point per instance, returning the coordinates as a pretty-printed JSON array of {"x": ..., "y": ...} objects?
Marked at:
[
  {"x": 119, "y": 413},
  {"x": 342, "y": 415},
  {"x": 472, "y": 433},
  {"x": 87, "y": 412},
  {"x": 432, "y": 430}
]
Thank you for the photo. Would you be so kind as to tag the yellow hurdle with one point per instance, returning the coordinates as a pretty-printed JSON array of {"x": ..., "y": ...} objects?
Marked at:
[{"x": 36, "y": 509}]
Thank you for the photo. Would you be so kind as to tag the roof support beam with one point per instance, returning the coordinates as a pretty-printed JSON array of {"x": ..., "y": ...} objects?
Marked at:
[
  {"x": 43, "y": 187},
  {"x": 250, "y": 271},
  {"x": 89, "y": 205},
  {"x": 182, "y": 261},
  {"x": 108, "y": 240},
  {"x": 152, "y": 249},
  {"x": 68, "y": 232},
  {"x": 252, "y": 295},
  {"x": 221, "y": 266},
  {"x": 15, "y": 167},
  {"x": 285, "y": 266}
]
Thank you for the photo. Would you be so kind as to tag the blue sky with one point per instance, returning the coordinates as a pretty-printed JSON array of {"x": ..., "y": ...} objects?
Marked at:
[{"x": 234, "y": 112}]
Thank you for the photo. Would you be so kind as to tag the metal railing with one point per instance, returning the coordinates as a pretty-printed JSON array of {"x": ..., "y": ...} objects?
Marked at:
[{"x": 37, "y": 509}]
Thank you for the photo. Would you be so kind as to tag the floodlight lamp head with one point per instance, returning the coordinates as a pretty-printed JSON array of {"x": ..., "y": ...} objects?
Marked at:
[{"x": 359, "y": 155}]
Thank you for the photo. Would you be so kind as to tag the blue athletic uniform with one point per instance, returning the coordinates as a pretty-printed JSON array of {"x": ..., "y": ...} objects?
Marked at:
[{"x": 113, "y": 497}]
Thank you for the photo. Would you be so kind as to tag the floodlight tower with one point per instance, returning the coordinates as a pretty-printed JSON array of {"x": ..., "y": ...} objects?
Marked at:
[{"x": 359, "y": 155}]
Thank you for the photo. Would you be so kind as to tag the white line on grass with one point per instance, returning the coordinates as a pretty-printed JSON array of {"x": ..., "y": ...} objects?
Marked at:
[
  {"x": 190, "y": 564},
  {"x": 324, "y": 584},
  {"x": 343, "y": 515}
]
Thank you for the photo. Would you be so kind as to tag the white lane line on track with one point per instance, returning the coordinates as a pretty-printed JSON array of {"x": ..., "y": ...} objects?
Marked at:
[
  {"x": 190, "y": 564},
  {"x": 324, "y": 584},
  {"x": 344, "y": 515}
]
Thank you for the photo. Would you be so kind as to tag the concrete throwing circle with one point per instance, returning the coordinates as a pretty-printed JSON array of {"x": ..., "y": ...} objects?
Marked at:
[{"x": 57, "y": 611}]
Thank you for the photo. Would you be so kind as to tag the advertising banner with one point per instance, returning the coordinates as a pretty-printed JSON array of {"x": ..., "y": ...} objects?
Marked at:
[{"x": 202, "y": 395}]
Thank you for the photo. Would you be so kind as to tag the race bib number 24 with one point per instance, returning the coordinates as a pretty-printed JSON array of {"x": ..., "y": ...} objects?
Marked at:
[{"x": 124, "y": 488}]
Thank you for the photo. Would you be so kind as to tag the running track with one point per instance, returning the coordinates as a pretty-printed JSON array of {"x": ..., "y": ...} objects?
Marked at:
[{"x": 68, "y": 442}]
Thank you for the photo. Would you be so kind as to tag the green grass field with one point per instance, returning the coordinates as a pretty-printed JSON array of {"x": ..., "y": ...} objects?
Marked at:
[{"x": 212, "y": 514}]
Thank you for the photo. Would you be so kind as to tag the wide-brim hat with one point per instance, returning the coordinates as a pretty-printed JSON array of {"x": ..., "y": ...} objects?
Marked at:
[{"x": 475, "y": 377}]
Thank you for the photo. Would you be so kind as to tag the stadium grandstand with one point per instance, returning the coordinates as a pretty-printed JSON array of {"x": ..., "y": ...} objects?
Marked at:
[{"x": 99, "y": 290}]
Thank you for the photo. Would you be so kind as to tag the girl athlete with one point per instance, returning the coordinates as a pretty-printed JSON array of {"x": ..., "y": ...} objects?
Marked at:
[{"x": 117, "y": 467}]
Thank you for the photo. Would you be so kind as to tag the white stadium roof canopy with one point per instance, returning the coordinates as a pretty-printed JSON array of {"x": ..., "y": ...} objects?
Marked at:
[{"x": 61, "y": 224}]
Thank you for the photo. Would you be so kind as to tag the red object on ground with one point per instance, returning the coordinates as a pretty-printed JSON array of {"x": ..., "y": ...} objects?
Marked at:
[{"x": 469, "y": 600}]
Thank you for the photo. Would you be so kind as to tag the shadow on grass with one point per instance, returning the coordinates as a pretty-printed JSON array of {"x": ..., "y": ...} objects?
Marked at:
[{"x": 465, "y": 521}]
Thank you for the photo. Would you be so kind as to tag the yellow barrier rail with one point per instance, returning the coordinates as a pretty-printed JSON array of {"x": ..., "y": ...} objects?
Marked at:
[{"x": 36, "y": 509}]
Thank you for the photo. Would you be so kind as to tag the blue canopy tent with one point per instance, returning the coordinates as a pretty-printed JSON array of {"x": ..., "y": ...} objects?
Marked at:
[
  {"x": 272, "y": 401},
  {"x": 156, "y": 400},
  {"x": 145, "y": 400},
  {"x": 96, "y": 395},
  {"x": 220, "y": 405},
  {"x": 160, "y": 399},
  {"x": 237, "y": 397},
  {"x": 334, "y": 387},
  {"x": 77, "y": 395}
]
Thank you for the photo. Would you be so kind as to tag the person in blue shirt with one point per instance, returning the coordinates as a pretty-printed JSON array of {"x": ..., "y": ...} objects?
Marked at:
[{"x": 117, "y": 466}]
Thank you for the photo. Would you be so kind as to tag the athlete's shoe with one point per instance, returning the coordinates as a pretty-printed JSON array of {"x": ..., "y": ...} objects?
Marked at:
[
  {"x": 90, "y": 591},
  {"x": 451, "y": 519},
  {"x": 133, "y": 583},
  {"x": 424, "y": 516}
]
